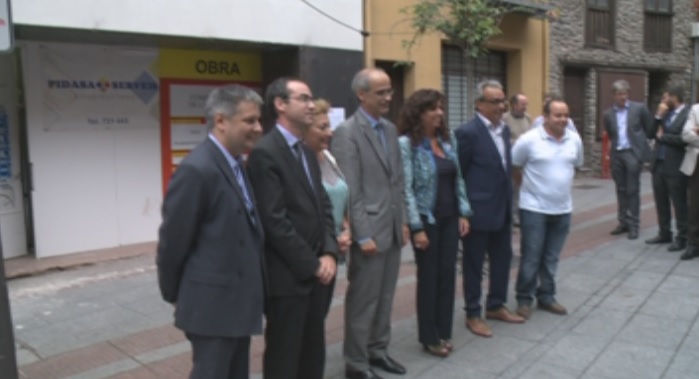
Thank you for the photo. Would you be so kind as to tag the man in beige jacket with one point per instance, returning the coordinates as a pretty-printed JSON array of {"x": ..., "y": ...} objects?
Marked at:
[{"x": 690, "y": 167}]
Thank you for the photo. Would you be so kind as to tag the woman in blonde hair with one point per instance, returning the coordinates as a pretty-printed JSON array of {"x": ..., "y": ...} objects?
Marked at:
[{"x": 317, "y": 138}]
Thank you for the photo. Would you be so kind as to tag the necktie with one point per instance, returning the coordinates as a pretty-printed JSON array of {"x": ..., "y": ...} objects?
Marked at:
[
  {"x": 298, "y": 148},
  {"x": 238, "y": 170},
  {"x": 381, "y": 134}
]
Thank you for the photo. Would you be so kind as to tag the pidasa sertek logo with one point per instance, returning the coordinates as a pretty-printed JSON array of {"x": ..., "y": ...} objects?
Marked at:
[{"x": 145, "y": 86}]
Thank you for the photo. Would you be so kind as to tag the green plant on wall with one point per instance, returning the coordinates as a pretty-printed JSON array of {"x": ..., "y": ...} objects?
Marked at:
[{"x": 468, "y": 24}]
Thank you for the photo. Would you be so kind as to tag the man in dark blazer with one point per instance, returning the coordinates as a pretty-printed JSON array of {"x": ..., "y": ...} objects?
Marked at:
[
  {"x": 300, "y": 245},
  {"x": 486, "y": 165},
  {"x": 627, "y": 123},
  {"x": 210, "y": 262},
  {"x": 669, "y": 183}
]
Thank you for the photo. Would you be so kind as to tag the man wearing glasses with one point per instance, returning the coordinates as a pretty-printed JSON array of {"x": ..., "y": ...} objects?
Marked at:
[
  {"x": 366, "y": 149},
  {"x": 300, "y": 245},
  {"x": 486, "y": 165}
]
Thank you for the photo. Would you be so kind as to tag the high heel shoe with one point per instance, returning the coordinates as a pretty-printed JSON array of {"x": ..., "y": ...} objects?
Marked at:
[
  {"x": 437, "y": 350},
  {"x": 447, "y": 344}
]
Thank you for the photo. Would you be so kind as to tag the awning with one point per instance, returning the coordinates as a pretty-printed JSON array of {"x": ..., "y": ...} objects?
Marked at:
[{"x": 527, "y": 7}]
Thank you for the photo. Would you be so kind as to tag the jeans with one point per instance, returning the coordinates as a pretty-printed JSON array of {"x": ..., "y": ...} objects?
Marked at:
[{"x": 543, "y": 237}]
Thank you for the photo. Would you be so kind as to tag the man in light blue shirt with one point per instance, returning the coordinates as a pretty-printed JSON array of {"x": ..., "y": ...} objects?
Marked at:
[
  {"x": 548, "y": 157},
  {"x": 626, "y": 124}
]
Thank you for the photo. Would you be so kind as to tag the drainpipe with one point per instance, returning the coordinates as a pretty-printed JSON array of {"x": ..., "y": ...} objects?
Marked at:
[{"x": 695, "y": 66}]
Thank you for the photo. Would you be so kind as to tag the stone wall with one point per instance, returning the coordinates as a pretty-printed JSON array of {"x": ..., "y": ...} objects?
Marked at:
[{"x": 567, "y": 48}]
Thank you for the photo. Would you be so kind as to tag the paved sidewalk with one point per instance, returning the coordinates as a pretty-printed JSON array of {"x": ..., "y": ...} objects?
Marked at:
[{"x": 633, "y": 315}]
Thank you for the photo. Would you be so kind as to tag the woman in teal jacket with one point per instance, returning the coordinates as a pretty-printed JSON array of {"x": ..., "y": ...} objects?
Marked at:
[{"x": 438, "y": 213}]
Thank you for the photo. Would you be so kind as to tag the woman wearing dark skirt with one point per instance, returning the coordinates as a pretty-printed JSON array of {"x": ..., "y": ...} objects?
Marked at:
[{"x": 438, "y": 212}]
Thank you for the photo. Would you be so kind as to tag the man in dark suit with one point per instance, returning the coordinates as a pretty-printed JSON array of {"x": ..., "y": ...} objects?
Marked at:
[
  {"x": 300, "y": 244},
  {"x": 669, "y": 183},
  {"x": 486, "y": 164},
  {"x": 210, "y": 262},
  {"x": 627, "y": 123}
]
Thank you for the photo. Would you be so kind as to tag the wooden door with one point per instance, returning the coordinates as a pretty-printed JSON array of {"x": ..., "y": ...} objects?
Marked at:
[{"x": 574, "y": 94}]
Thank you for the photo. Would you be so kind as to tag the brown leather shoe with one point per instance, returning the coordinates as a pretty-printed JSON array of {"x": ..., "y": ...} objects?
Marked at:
[
  {"x": 504, "y": 314},
  {"x": 555, "y": 308},
  {"x": 478, "y": 327},
  {"x": 524, "y": 311}
]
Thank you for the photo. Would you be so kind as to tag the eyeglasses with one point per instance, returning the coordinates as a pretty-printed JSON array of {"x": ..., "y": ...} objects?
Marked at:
[
  {"x": 494, "y": 101},
  {"x": 306, "y": 99},
  {"x": 384, "y": 92}
]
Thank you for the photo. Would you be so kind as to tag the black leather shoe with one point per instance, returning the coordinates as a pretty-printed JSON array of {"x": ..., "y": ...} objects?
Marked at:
[
  {"x": 691, "y": 253},
  {"x": 388, "y": 364},
  {"x": 368, "y": 374},
  {"x": 659, "y": 239},
  {"x": 679, "y": 245},
  {"x": 633, "y": 234},
  {"x": 620, "y": 229}
]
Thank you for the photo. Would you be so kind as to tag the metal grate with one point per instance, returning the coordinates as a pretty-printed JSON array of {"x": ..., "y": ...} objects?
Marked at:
[{"x": 460, "y": 76}]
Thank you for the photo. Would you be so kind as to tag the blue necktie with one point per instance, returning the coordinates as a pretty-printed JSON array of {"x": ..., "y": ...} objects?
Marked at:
[{"x": 238, "y": 170}]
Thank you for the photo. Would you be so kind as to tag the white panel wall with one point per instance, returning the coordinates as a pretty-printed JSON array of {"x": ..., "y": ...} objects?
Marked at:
[
  {"x": 275, "y": 21},
  {"x": 12, "y": 227},
  {"x": 93, "y": 189}
]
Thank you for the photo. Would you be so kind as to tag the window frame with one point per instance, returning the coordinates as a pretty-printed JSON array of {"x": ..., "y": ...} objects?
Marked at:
[
  {"x": 655, "y": 12},
  {"x": 611, "y": 10}
]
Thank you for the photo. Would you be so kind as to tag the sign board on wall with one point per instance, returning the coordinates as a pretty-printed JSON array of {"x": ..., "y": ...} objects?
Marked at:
[
  {"x": 6, "y": 37},
  {"x": 98, "y": 89},
  {"x": 187, "y": 78}
]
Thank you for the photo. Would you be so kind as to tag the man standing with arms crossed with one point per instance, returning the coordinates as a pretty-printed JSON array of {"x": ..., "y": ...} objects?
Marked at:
[
  {"x": 669, "y": 183},
  {"x": 548, "y": 157},
  {"x": 210, "y": 260},
  {"x": 366, "y": 148},
  {"x": 626, "y": 123}
]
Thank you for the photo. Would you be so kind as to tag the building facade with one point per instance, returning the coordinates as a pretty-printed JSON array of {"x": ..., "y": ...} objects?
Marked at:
[
  {"x": 595, "y": 42},
  {"x": 518, "y": 58},
  {"x": 102, "y": 100}
]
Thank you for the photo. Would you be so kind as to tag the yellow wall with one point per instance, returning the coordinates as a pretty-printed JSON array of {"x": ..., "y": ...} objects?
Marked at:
[{"x": 525, "y": 39}]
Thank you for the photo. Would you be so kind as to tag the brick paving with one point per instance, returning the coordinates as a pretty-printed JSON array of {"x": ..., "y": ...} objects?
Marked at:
[{"x": 616, "y": 289}]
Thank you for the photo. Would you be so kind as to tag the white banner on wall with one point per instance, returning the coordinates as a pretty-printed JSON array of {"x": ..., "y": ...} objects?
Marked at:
[{"x": 98, "y": 88}]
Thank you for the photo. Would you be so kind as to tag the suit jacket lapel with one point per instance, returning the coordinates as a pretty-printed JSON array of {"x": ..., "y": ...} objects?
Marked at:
[
  {"x": 680, "y": 120},
  {"x": 292, "y": 161},
  {"x": 485, "y": 133},
  {"x": 370, "y": 134},
  {"x": 223, "y": 165}
]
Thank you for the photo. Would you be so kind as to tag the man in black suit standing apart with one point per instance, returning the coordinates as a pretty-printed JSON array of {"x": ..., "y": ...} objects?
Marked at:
[
  {"x": 669, "y": 183},
  {"x": 210, "y": 262},
  {"x": 486, "y": 164},
  {"x": 300, "y": 245},
  {"x": 627, "y": 123}
]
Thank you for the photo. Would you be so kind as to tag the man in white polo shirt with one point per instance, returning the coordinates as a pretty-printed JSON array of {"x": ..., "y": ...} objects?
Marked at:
[{"x": 548, "y": 157}]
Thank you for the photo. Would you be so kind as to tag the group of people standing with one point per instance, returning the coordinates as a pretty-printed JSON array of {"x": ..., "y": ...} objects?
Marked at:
[
  {"x": 240, "y": 240},
  {"x": 672, "y": 154}
]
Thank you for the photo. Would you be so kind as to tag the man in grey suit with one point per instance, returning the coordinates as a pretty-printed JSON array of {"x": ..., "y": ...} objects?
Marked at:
[
  {"x": 210, "y": 262},
  {"x": 627, "y": 123},
  {"x": 366, "y": 148},
  {"x": 669, "y": 183}
]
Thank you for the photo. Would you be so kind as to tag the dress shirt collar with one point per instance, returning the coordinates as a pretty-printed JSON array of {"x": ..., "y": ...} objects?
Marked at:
[
  {"x": 624, "y": 108},
  {"x": 232, "y": 161},
  {"x": 372, "y": 120},
  {"x": 545, "y": 134},
  {"x": 290, "y": 138},
  {"x": 489, "y": 124}
]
